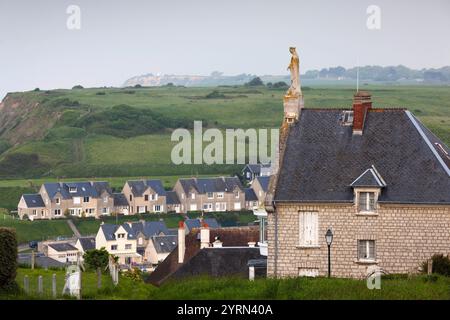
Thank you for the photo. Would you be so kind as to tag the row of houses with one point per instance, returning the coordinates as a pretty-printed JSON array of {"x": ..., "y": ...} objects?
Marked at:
[
  {"x": 142, "y": 244},
  {"x": 96, "y": 199}
]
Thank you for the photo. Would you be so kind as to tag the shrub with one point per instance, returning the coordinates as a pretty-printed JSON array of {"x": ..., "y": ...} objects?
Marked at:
[
  {"x": 96, "y": 259},
  {"x": 215, "y": 95},
  {"x": 8, "y": 258},
  {"x": 77, "y": 87},
  {"x": 255, "y": 82},
  {"x": 441, "y": 265}
]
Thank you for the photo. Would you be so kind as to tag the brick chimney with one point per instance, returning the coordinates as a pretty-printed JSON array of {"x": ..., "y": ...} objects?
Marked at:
[
  {"x": 362, "y": 102},
  {"x": 204, "y": 236},
  {"x": 181, "y": 241}
]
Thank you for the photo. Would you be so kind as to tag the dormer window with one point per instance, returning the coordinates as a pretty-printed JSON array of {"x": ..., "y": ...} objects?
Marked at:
[
  {"x": 347, "y": 118},
  {"x": 57, "y": 201},
  {"x": 72, "y": 189},
  {"x": 366, "y": 201},
  {"x": 367, "y": 189}
]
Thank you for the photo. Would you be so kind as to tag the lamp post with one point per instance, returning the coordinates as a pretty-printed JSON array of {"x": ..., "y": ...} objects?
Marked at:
[{"x": 329, "y": 239}]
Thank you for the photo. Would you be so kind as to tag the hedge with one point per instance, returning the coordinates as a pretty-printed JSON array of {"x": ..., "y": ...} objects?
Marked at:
[{"x": 8, "y": 257}]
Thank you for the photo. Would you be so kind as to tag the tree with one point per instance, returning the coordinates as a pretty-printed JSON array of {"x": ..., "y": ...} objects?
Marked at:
[
  {"x": 255, "y": 82},
  {"x": 8, "y": 260},
  {"x": 78, "y": 87},
  {"x": 97, "y": 258}
]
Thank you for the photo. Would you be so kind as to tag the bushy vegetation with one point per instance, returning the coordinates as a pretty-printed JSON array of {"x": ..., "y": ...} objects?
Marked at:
[
  {"x": 22, "y": 163},
  {"x": 10, "y": 196},
  {"x": 95, "y": 259},
  {"x": 8, "y": 259},
  {"x": 440, "y": 265},
  {"x": 125, "y": 121}
]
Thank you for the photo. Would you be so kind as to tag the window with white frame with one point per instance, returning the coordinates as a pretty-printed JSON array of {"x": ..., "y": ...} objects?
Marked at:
[
  {"x": 128, "y": 246},
  {"x": 34, "y": 212},
  {"x": 192, "y": 195},
  {"x": 57, "y": 201},
  {"x": 154, "y": 197},
  {"x": 114, "y": 247},
  {"x": 57, "y": 212},
  {"x": 76, "y": 200},
  {"x": 157, "y": 208},
  {"x": 237, "y": 206},
  {"x": 210, "y": 195},
  {"x": 85, "y": 199},
  {"x": 366, "y": 250},
  {"x": 219, "y": 195},
  {"x": 308, "y": 229},
  {"x": 366, "y": 201},
  {"x": 105, "y": 211},
  {"x": 236, "y": 194}
]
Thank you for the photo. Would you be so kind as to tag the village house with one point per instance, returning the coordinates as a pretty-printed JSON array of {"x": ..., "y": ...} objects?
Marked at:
[
  {"x": 251, "y": 200},
  {"x": 260, "y": 185},
  {"x": 173, "y": 203},
  {"x": 252, "y": 171},
  {"x": 377, "y": 179},
  {"x": 159, "y": 247},
  {"x": 84, "y": 244},
  {"x": 121, "y": 205},
  {"x": 145, "y": 196},
  {"x": 213, "y": 252},
  {"x": 210, "y": 194},
  {"x": 55, "y": 200},
  {"x": 119, "y": 241},
  {"x": 62, "y": 252}
]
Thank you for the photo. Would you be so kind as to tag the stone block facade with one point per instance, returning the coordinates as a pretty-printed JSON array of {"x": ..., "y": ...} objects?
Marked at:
[{"x": 405, "y": 236}]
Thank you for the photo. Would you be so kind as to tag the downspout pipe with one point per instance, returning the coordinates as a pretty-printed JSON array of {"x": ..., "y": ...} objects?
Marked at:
[{"x": 275, "y": 266}]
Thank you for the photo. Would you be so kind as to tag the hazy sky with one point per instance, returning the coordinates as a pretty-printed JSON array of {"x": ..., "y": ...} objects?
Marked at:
[{"x": 120, "y": 39}]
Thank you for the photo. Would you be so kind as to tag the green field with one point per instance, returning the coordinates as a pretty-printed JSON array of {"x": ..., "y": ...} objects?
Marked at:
[
  {"x": 83, "y": 135},
  {"x": 36, "y": 230},
  {"x": 392, "y": 287}
]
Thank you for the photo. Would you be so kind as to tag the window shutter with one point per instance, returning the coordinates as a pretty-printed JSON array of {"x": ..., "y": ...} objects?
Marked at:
[
  {"x": 315, "y": 227},
  {"x": 301, "y": 227},
  {"x": 371, "y": 249}
]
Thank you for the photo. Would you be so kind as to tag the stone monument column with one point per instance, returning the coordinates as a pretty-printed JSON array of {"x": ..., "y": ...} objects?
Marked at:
[{"x": 293, "y": 99}]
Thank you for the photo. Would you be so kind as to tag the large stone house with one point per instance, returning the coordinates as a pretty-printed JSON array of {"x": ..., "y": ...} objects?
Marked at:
[
  {"x": 145, "y": 196},
  {"x": 210, "y": 194},
  {"x": 55, "y": 200},
  {"x": 377, "y": 178}
]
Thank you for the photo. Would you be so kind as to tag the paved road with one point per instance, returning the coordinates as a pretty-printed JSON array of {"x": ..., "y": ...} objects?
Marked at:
[{"x": 73, "y": 228}]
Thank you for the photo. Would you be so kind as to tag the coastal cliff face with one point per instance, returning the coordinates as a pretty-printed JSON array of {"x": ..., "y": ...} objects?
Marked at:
[{"x": 23, "y": 119}]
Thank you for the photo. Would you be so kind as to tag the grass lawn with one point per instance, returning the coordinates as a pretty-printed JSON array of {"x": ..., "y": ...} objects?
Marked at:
[
  {"x": 36, "y": 230},
  {"x": 392, "y": 287}
]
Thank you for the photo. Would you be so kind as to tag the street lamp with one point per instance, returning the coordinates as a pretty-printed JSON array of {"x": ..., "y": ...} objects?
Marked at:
[{"x": 329, "y": 239}]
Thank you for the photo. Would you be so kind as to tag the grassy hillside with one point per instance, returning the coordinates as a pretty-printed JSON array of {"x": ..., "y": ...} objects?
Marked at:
[{"x": 126, "y": 132}]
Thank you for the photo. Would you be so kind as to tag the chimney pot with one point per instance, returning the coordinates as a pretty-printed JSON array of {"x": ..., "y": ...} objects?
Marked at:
[
  {"x": 181, "y": 241},
  {"x": 204, "y": 236}
]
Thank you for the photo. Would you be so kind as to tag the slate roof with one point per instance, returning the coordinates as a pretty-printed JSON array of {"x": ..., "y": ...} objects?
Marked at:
[
  {"x": 120, "y": 200},
  {"x": 150, "y": 228},
  {"x": 322, "y": 158},
  {"x": 192, "y": 223},
  {"x": 138, "y": 187},
  {"x": 204, "y": 185},
  {"x": 87, "y": 243},
  {"x": 33, "y": 200},
  {"x": 212, "y": 261},
  {"x": 110, "y": 229},
  {"x": 61, "y": 247},
  {"x": 39, "y": 261},
  {"x": 212, "y": 223},
  {"x": 250, "y": 195},
  {"x": 264, "y": 182},
  {"x": 164, "y": 244},
  {"x": 83, "y": 189},
  {"x": 255, "y": 168},
  {"x": 369, "y": 178},
  {"x": 172, "y": 197}
]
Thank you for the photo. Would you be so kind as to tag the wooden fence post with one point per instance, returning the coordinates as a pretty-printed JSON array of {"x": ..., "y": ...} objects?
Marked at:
[
  {"x": 40, "y": 285},
  {"x": 54, "y": 285},
  {"x": 99, "y": 277},
  {"x": 26, "y": 284},
  {"x": 430, "y": 266}
]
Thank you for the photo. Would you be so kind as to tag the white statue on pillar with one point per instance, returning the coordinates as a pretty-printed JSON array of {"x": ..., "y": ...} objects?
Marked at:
[
  {"x": 293, "y": 99},
  {"x": 295, "y": 89}
]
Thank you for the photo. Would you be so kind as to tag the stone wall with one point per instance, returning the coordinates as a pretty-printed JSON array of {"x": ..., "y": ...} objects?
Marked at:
[{"x": 404, "y": 237}]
